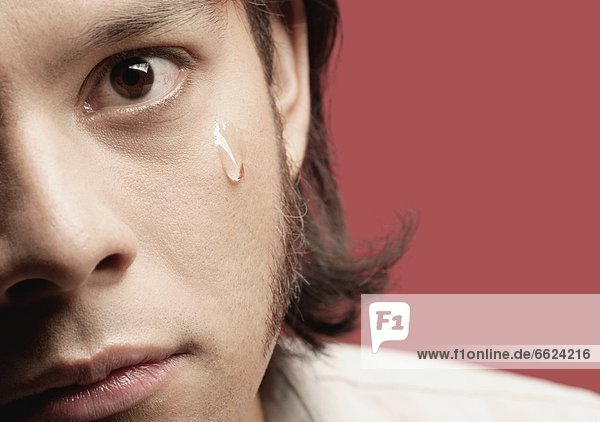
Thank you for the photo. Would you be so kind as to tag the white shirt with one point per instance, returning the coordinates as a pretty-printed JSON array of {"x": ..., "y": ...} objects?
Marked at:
[{"x": 334, "y": 388}]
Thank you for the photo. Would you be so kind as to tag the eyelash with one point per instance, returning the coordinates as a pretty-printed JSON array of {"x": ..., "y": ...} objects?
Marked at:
[{"x": 177, "y": 54}]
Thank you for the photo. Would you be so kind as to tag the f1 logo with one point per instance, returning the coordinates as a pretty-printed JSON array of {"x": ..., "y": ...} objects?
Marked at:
[{"x": 389, "y": 321}]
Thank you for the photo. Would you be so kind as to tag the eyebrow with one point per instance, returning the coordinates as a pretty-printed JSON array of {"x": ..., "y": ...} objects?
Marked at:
[{"x": 140, "y": 18}]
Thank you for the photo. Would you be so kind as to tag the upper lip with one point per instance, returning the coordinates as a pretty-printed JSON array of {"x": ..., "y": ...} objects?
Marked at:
[{"x": 85, "y": 371}]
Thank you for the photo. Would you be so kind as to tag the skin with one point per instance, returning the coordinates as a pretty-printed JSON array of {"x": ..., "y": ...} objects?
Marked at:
[{"x": 125, "y": 213}]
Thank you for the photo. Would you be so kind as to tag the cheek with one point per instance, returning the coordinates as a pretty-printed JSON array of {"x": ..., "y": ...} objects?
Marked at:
[
  {"x": 213, "y": 242},
  {"x": 207, "y": 246}
]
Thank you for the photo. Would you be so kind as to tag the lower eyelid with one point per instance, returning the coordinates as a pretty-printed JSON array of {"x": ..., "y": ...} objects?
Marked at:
[{"x": 122, "y": 115}]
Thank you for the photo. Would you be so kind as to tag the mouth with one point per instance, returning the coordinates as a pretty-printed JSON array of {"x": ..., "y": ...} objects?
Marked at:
[{"x": 106, "y": 385}]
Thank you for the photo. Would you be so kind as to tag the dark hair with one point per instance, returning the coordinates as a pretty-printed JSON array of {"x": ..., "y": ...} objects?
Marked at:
[{"x": 333, "y": 277}]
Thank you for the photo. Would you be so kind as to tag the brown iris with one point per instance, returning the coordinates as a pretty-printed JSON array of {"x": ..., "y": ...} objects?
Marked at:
[{"x": 132, "y": 78}]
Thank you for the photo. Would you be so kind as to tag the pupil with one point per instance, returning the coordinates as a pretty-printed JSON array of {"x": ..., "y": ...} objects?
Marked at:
[{"x": 132, "y": 78}]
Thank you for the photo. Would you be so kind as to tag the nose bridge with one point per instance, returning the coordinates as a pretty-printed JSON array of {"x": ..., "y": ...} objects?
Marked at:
[
  {"x": 54, "y": 223},
  {"x": 42, "y": 182}
]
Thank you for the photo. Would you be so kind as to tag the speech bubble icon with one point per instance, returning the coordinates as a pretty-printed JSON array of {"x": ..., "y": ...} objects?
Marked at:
[{"x": 389, "y": 321}]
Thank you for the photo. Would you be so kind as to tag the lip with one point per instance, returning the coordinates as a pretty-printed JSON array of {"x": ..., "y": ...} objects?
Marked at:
[{"x": 111, "y": 382}]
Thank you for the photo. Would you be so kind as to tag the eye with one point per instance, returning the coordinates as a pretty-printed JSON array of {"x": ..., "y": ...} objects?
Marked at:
[{"x": 133, "y": 81}]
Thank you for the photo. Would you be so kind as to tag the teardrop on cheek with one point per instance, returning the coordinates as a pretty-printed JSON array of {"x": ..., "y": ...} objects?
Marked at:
[{"x": 230, "y": 148}]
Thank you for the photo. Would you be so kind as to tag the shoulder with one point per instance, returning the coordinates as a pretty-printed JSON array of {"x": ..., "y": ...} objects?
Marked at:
[{"x": 332, "y": 386}]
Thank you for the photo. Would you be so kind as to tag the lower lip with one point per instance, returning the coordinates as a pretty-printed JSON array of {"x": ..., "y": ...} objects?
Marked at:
[{"x": 121, "y": 390}]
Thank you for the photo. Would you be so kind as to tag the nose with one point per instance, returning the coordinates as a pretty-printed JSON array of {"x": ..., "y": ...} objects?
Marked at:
[{"x": 58, "y": 231}]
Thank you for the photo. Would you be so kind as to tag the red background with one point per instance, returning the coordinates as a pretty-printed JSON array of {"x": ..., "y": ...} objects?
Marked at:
[{"x": 484, "y": 117}]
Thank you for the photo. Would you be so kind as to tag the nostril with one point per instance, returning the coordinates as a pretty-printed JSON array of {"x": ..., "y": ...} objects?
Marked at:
[
  {"x": 29, "y": 288},
  {"x": 111, "y": 261}
]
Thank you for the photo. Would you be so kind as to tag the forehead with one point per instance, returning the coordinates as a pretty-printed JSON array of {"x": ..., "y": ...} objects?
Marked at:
[
  {"x": 41, "y": 26},
  {"x": 62, "y": 12}
]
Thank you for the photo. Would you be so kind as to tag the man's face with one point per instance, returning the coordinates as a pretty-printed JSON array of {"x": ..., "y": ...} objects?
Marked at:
[{"x": 121, "y": 238}]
